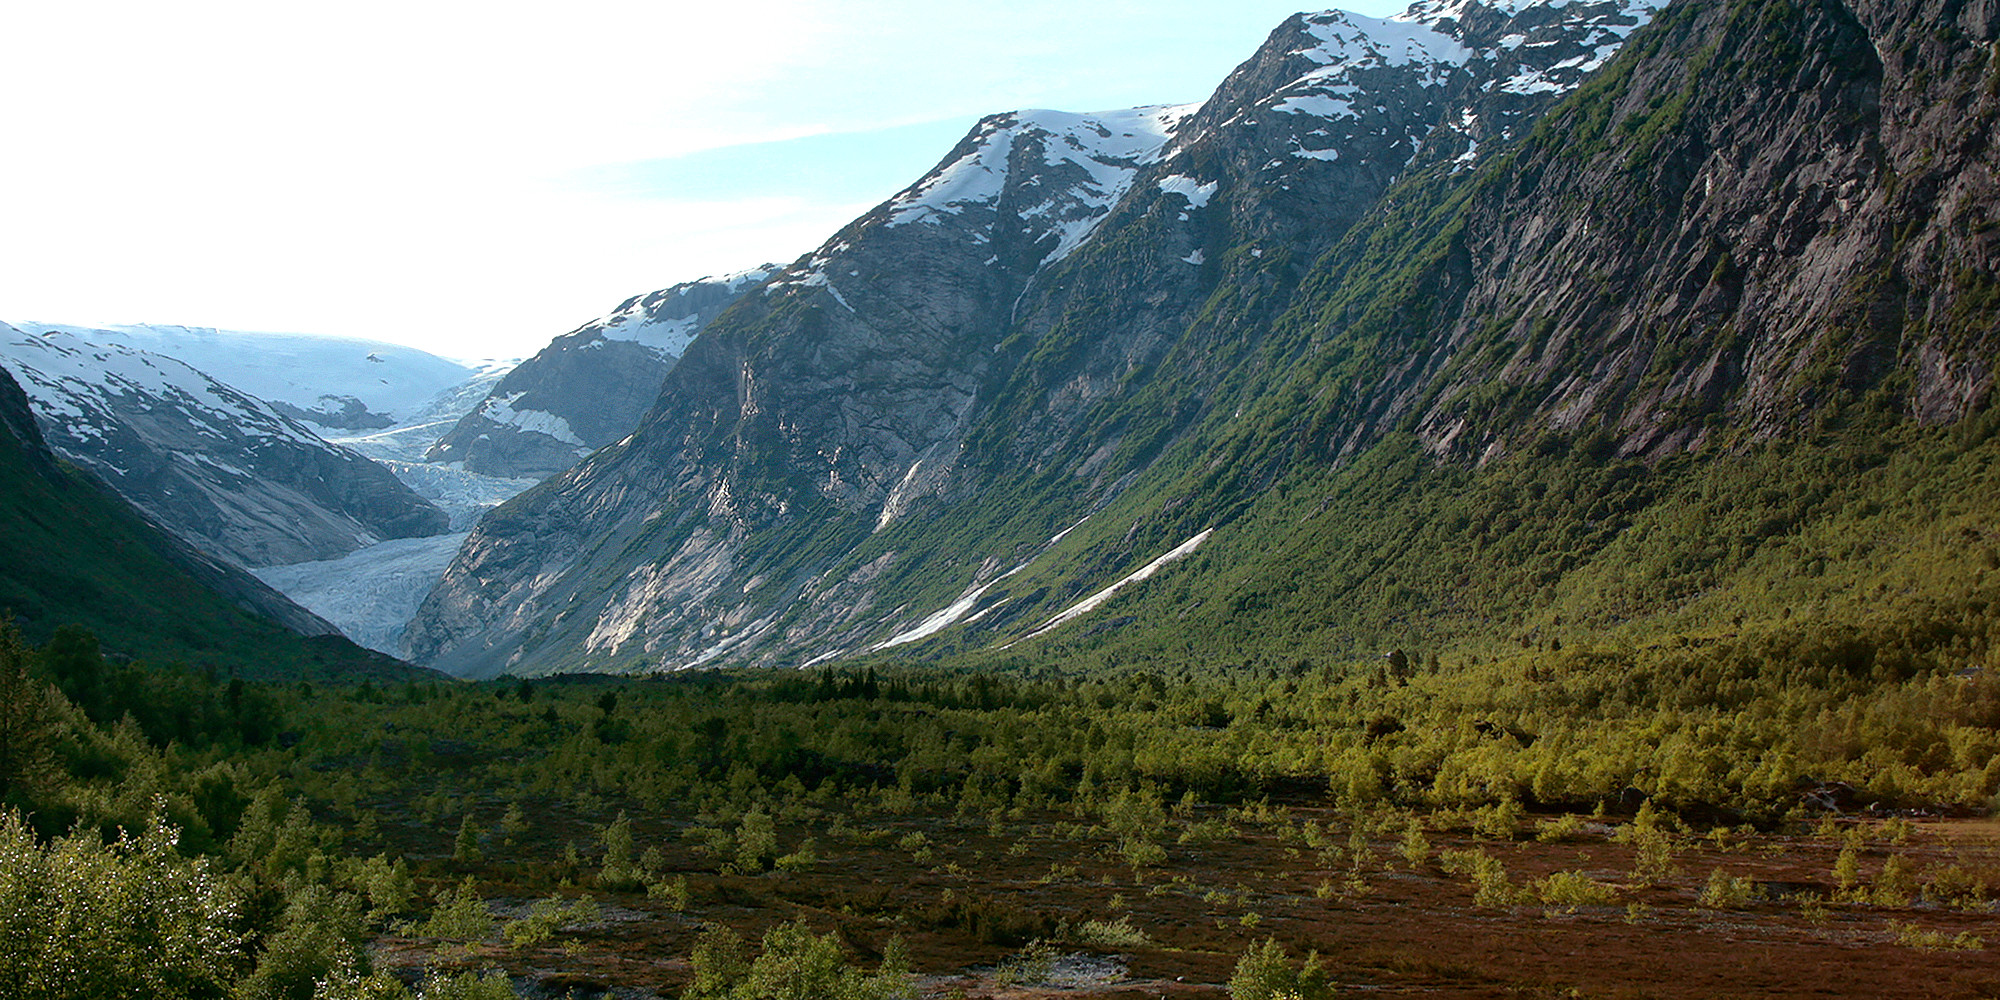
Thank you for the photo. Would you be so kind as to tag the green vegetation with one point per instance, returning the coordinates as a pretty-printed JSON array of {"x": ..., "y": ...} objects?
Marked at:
[{"x": 745, "y": 800}]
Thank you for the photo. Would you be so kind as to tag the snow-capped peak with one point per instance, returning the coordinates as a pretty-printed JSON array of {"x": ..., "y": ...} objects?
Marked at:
[
  {"x": 74, "y": 382},
  {"x": 667, "y": 320},
  {"x": 1352, "y": 41},
  {"x": 1091, "y": 158}
]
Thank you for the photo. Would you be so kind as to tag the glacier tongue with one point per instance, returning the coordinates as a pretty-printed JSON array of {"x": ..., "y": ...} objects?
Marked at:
[{"x": 370, "y": 594}]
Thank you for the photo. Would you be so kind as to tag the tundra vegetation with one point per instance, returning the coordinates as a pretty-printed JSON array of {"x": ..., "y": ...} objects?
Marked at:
[{"x": 895, "y": 829}]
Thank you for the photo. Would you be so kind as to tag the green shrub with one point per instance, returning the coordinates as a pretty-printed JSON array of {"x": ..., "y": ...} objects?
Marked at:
[
  {"x": 1030, "y": 966},
  {"x": 795, "y": 964},
  {"x": 620, "y": 873},
  {"x": 1109, "y": 935},
  {"x": 129, "y": 919},
  {"x": 1489, "y": 876},
  {"x": 1265, "y": 972},
  {"x": 387, "y": 885},
  {"x": 1726, "y": 892},
  {"x": 1415, "y": 848},
  {"x": 675, "y": 893},
  {"x": 460, "y": 915},
  {"x": 1566, "y": 891},
  {"x": 1568, "y": 826},
  {"x": 547, "y": 916},
  {"x": 1909, "y": 935},
  {"x": 465, "y": 847},
  {"x": 466, "y": 986},
  {"x": 756, "y": 841}
]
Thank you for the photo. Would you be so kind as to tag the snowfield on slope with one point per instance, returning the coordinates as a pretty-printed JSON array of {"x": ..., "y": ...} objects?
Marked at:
[{"x": 296, "y": 369}]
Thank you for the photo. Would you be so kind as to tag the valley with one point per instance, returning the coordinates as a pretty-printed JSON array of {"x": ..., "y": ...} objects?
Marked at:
[{"x": 1497, "y": 500}]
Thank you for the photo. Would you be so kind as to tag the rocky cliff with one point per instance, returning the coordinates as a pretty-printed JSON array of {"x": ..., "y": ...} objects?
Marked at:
[
  {"x": 590, "y": 386},
  {"x": 1762, "y": 209},
  {"x": 1009, "y": 344}
]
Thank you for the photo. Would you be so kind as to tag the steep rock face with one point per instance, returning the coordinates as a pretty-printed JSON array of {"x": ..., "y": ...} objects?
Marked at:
[
  {"x": 217, "y": 467},
  {"x": 590, "y": 386},
  {"x": 991, "y": 327},
  {"x": 1762, "y": 209}
]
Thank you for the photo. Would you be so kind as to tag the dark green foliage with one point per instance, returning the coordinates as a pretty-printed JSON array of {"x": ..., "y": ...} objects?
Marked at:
[
  {"x": 169, "y": 706},
  {"x": 28, "y": 731}
]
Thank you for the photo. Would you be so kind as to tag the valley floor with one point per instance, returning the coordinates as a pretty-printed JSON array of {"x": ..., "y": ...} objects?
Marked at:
[{"x": 1575, "y": 916}]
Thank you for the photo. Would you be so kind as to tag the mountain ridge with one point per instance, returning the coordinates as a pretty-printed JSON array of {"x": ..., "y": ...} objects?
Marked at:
[
  {"x": 76, "y": 553},
  {"x": 900, "y": 335},
  {"x": 218, "y": 467},
  {"x": 588, "y": 387}
]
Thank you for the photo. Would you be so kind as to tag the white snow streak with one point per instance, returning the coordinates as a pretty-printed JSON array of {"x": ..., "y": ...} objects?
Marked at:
[{"x": 1091, "y": 603}]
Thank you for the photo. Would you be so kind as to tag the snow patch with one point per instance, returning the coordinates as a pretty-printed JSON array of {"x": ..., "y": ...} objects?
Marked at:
[
  {"x": 502, "y": 411},
  {"x": 1318, "y": 105},
  {"x": 1086, "y": 166},
  {"x": 1091, "y": 603},
  {"x": 943, "y": 618},
  {"x": 1355, "y": 41},
  {"x": 1196, "y": 193}
]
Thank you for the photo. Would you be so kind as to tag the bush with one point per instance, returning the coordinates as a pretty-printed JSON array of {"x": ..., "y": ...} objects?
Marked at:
[
  {"x": 460, "y": 915},
  {"x": 756, "y": 841},
  {"x": 1489, "y": 876},
  {"x": 619, "y": 873},
  {"x": 321, "y": 933},
  {"x": 795, "y": 964},
  {"x": 1265, "y": 972},
  {"x": 675, "y": 894},
  {"x": 1909, "y": 935},
  {"x": 129, "y": 919},
  {"x": 1033, "y": 965},
  {"x": 1109, "y": 935},
  {"x": 1566, "y": 891},
  {"x": 1726, "y": 892},
  {"x": 546, "y": 917}
]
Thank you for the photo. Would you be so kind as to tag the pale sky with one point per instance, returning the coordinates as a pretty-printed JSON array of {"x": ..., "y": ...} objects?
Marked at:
[{"x": 476, "y": 178}]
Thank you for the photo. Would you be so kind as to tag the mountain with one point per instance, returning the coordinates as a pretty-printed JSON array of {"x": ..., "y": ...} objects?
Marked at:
[
  {"x": 339, "y": 384},
  {"x": 590, "y": 386},
  {"x": 1487, "y": 325},
  {"x": 416, "y": 429},
  {"x": 213, "y": 464},
  {"x": 961, "y": 362},
  {"x": 73, "y": 552}
]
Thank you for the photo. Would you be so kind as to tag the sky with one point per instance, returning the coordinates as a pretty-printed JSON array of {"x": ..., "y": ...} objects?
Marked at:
[{"x": 477, "y": 178}]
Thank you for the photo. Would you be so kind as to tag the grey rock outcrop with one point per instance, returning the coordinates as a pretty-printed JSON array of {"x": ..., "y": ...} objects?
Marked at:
[
  {"x": 984, "y": 337},
  {"x": 588, "y": 387}
]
